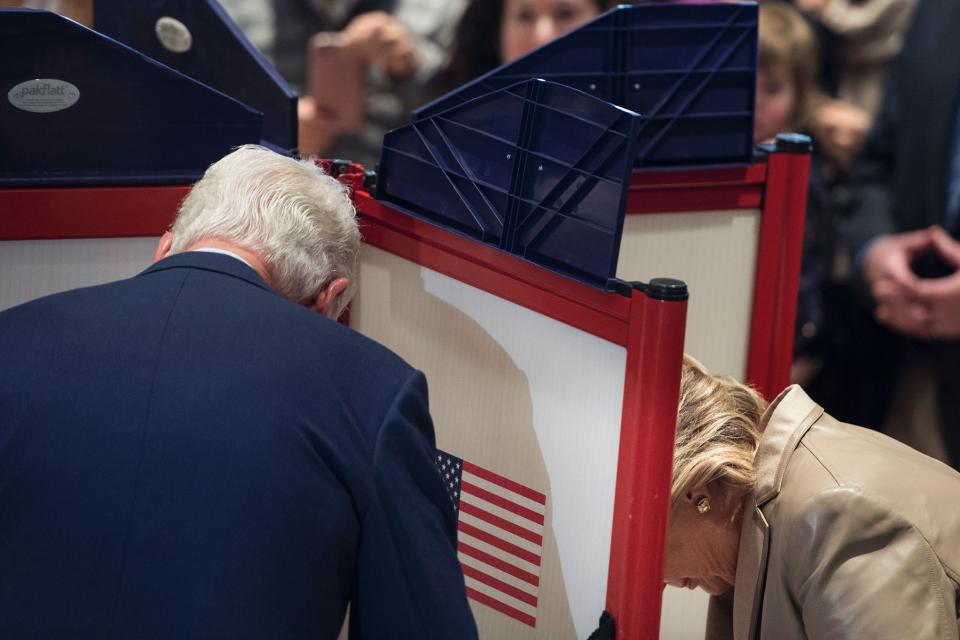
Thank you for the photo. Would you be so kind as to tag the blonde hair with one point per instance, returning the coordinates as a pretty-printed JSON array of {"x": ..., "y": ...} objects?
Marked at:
[
  {"x": 786, "y": 41},
  {"x": 299, "y": 220},
  {"x": 718, "y": 431}
]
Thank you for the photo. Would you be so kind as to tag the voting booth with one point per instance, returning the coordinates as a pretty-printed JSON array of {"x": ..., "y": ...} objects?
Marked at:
[
  {"x": 732, "y": 229},
  {"x": 516, "y": 237}
]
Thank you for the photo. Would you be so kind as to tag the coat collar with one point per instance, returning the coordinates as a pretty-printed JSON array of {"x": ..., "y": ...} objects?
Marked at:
[
  {"x": 216, "y": 262},
  {"x": 785, "y": 422}
]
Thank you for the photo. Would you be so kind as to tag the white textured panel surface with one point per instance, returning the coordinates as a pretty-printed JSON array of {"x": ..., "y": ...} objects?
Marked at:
[
  {"x": 715, "y": 253},
  {"x": 576, "y": 387},
  {"x": 684, "y": 614},
  {"x": 521, "y": 394},
  {"x": 33, "y": 268}
]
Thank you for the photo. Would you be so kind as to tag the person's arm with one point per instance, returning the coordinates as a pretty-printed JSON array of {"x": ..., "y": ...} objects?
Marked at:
[
  {"x": 858, "y": 570},
  {"x": 409, "y": 583},
  {"x": 871, "y": 179},
  {"x": 431, "y": 24},
  {"x": 858, "y": 20},
  {"x": 880, "y": 256}
]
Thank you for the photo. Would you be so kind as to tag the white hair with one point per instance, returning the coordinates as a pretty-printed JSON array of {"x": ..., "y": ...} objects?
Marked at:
[{"x": 296, "y": 218}]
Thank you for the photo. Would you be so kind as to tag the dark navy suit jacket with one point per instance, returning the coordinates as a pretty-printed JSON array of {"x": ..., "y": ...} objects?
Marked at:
[{"x": 185, "y": 454}]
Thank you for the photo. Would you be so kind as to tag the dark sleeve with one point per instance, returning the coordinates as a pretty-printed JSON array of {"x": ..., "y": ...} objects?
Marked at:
[
  {"x": 872, "y": 178},
  {"x": 720, "y": 617},
  {"x": 409, "y": 582}
]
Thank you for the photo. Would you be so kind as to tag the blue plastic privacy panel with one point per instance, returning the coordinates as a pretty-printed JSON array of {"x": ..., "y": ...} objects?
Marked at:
[
  {"x": 77, "y": 107},
  {"x": 689, "y": 69},
  {"x": 537, "y": 169},
  {"x": 199, "y": 39}
]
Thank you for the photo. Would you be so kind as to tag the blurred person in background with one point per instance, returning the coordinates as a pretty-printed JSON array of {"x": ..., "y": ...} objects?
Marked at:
[
  {"x": 903, "y": 227},
  {"x": 495, "y": 32},
  {"x": 393, "y": 47},
  {"x": 787, "y": 100},
  {"x": 862, "y": 38},
  {"x": 79, "y": 10},
  {"x": 257, "y": 21},
  {"x": 834, "y": 340}
]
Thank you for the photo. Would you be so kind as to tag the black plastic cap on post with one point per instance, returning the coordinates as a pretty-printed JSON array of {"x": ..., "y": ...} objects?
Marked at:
[
  {"x": 370, "y": 180},
  {"x": 667, "y": 289},
  {"x": 793, "y": 143}
]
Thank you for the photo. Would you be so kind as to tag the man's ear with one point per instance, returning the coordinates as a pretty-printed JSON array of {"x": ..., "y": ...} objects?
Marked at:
[
  {"x": 326, "y": 300},
  {"x": 163, "y": 247}
]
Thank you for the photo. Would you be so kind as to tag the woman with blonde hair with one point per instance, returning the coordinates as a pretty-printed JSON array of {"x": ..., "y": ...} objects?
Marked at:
[{"x": 803, "y": 527}]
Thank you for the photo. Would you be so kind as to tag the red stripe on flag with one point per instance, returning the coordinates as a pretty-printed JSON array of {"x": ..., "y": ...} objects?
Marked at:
[
  {"x": 506, "y": 610},
  {"x": 500, "y": 585},
  {"x": 506, "y": 483},
  {"x": 494, "y": 561},
  {"x": 501, "y": 502},
  {"x": 499, "y": 543},
  {"x": 506, "y": 525}
]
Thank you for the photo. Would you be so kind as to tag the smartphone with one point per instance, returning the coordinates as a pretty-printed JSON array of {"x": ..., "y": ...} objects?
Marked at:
[{"x": 335, "y": 81}]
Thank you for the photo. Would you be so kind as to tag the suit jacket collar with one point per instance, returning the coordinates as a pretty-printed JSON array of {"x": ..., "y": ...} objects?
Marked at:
[
  {"x": 785, "y": 422},
  {"x": 216, "y": 262}
]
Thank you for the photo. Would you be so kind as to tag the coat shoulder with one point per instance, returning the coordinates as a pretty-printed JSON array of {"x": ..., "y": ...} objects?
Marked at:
[{"x": 847, "y": 471}]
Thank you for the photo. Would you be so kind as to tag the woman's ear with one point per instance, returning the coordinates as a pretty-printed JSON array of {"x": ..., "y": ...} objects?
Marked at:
[
  {"x": 706, "y": 498},
  {"x": 163, "y": 247},
  {"x": 702, "y": 491}
]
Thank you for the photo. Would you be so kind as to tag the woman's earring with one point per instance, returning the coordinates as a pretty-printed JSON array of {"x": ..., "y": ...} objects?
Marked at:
[{"x": 703, "y": 504}]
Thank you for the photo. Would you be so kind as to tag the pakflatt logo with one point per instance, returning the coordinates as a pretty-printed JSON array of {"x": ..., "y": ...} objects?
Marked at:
[{"x": 43, "y": 95}]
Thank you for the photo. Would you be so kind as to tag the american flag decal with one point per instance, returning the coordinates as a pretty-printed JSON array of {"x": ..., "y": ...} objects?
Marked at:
[{"x": 500, "y": 536}]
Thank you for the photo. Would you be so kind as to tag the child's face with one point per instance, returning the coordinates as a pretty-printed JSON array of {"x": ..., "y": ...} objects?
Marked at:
[{"x": 776, "y": 101}]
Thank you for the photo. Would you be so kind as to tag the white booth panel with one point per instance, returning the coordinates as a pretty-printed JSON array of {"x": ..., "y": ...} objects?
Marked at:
[
  {"x": 715, "y": 253},
  {"x": 33, "y": 268},
  {"x": 525, "y": 397}
]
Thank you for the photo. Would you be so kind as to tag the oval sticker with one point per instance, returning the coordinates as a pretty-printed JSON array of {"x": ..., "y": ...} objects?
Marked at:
[
  {"x": 173, "y": 35},
  {"x": 43, "y": 95}
]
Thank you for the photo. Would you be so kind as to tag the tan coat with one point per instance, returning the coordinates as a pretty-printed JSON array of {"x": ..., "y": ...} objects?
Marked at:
[{"x": 849, "y": 535}]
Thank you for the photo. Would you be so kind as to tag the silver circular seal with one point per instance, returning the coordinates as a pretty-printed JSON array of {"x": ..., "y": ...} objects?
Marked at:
[{"x": 173, "y": 35}]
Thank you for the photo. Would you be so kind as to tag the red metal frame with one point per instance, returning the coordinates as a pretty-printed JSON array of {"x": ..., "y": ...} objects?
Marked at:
[
  {"x": 701, "y": 190},
  {"x": 645, "y": 466},
  {"x": 88, "y": 212},
  {"x": 499, "y": 273},
  {"x": 779, "y": 254}
]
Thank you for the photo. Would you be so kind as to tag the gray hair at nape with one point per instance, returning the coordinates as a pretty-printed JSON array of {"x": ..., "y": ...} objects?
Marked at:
[{"x": 299, "y": 220}]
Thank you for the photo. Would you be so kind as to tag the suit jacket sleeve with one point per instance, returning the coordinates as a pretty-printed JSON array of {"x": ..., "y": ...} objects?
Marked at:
[
  {"x": 872, "y": 178},
  {"x": 409, "y": 581},
  {"x": 859, "y": 570}
]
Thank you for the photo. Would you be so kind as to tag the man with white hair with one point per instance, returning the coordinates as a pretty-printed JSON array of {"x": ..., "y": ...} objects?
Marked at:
[{"x": 194, "y": 453}]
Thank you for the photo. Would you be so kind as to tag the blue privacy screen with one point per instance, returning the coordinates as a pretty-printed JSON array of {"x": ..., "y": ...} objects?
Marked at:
[
  {"x": 537, "y": 169},
  {"x": 216, "y": 53},
  {"x": 688, "y": 69},
  {"x": 78, "y": 107}
]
